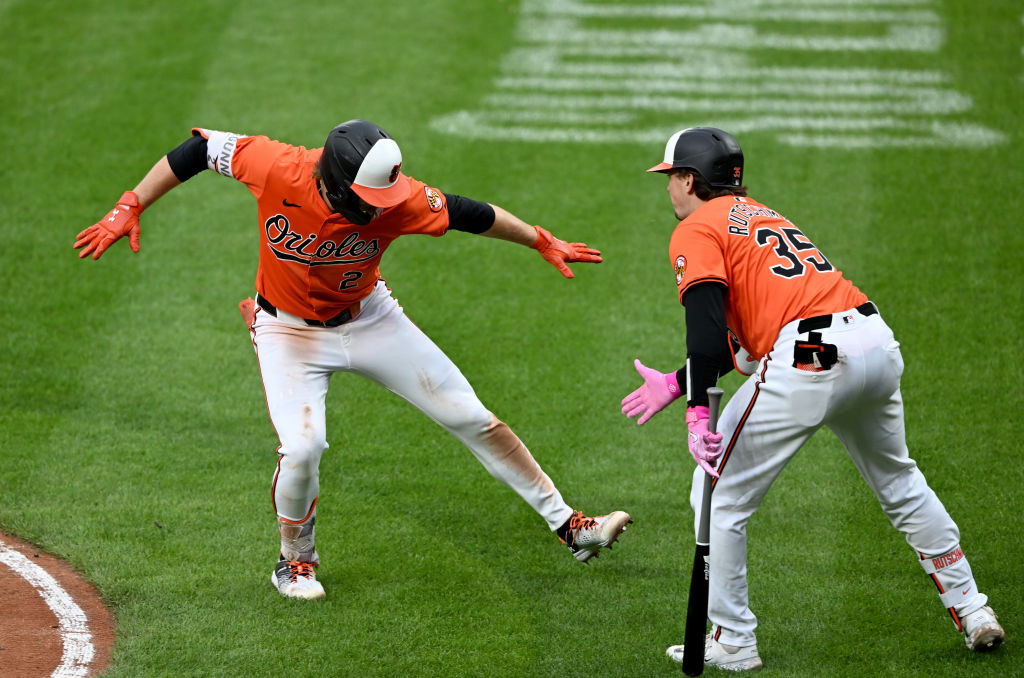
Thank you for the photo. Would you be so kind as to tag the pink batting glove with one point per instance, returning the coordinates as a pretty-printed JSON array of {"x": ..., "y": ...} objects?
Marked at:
[
  {"x": 705, "y": 446},
  {"x": 657, "y": 392}
]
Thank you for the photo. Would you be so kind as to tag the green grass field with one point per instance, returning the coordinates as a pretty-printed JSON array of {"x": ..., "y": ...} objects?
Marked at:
[{"x": 134, "y": 440}]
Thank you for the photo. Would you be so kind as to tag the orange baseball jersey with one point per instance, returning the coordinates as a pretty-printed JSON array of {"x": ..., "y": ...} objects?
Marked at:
[
  {"x": 314, "y": 263},
  {"x": 774, "y": 274}
]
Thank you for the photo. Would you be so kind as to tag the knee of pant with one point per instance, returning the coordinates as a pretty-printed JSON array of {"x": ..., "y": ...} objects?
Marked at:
[
  {"x": 931, "y": 537},
  {"x": 469, "y": 418},
  {"x": 303, "y": 456},
  {"x": 731, "y": 516}
]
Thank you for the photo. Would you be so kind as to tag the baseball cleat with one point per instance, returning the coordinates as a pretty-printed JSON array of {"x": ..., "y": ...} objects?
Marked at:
[
  {"x": 586, "y": 536},
  {"x": 724, "y": 657},
  {"x": 294, "y": 579},
  {"x": 982, "y": 632}
]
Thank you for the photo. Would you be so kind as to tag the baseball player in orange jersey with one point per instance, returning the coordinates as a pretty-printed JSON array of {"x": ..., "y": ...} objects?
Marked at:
[
  {"x": 759, "y": 296},
  {"x": 326, "y": 215}
]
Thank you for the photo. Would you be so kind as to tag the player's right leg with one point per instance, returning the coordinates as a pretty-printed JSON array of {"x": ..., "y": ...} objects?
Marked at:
[
  {"x": 760, "y": 436},
  {"x": 292, "y": 365}
]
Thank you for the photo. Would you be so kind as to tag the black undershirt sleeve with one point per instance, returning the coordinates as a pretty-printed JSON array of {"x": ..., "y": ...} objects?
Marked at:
[
  {"x": 188, "y": 159},
  {"x": 707, "y": 339},
  {"x": 468, "y": 215}
]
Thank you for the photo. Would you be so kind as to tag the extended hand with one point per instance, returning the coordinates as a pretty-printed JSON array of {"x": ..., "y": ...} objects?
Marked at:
[
  {"x": 657, "y": 391},
  {"x": 704, "y": 446},
  {"x": 558, "y": 252},
  {"x": 121, "y": 221}
]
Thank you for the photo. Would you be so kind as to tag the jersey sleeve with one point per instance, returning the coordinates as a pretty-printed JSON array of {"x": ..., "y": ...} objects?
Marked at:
[
  {"x": 247, "y": 159},
  {"x": 424, "y": 212},
  {"x": 697, "y": 256}
]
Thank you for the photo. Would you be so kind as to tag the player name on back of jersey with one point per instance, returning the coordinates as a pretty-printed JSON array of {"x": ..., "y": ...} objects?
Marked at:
[
  {"x": 742, "y": 212},
  {"x": 289, "y": 245}
]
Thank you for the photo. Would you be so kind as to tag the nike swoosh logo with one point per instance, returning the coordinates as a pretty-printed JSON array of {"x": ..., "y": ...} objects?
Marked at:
[{"x": 289, "y": 204}]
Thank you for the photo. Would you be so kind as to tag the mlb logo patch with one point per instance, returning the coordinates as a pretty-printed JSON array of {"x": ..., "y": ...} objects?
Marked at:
[{"x": 847, "y": 319}]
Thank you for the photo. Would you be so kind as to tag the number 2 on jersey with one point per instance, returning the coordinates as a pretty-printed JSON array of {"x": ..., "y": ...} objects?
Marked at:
[
  {"x": 351, "y": 278},
  {"x": 800, "y": 243}
]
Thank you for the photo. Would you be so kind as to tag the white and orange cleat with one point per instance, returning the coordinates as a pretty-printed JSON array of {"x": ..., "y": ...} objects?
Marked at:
[
  {"x": 586, "y": 536},
  {"x": 294, "y": 579}
]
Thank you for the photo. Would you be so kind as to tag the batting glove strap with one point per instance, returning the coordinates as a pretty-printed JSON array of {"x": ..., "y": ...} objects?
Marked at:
[
  {"x": 129, "y": 200},
  {"x": 695, "y": 414},
  {"x": 544, "y": 239}
]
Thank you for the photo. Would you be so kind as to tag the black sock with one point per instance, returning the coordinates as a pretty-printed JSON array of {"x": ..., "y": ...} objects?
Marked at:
[{"x": 563, "y": 531}]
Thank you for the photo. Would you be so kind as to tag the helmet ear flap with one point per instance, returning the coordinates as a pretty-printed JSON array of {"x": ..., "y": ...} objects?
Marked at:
[{"x": 346, "y": 203}]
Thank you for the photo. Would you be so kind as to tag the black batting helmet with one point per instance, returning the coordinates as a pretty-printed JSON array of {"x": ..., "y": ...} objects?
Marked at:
[
  {"x": 360, "y": 160},
  {"x": 708, "y": 151}
]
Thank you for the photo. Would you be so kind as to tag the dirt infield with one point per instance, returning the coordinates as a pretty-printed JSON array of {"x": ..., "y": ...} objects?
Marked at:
[{"x": 52, "y": 621}]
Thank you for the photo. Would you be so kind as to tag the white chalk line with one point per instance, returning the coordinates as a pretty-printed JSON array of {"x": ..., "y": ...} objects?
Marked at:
[
  {"x": 679, "y": 104},
  {"x": 849, "y": 132},
  {"x": 72, "y": 622},
  {"x": 666, "y": 42},
  {"x": 688, "y": 85},
  {"x": 548, "y": 61},
  {"x": 579, "y": 76},
  {"x": 846, "y": 12}
]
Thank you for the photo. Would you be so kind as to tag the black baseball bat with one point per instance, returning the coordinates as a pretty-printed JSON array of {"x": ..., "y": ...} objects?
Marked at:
[{"x": 697, "y": 604}]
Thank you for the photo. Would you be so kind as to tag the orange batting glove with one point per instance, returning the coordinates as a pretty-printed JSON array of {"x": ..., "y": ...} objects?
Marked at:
[
  {"x": 121, "y": 221},
  {"x": 247, "y": 307},
  {"x": 558, "y": 252}
]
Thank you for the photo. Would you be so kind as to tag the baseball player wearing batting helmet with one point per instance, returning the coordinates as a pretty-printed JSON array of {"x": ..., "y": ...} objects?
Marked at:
[
  {"x": 326, "y": 215},
  {"x": 820, "y": 355}
]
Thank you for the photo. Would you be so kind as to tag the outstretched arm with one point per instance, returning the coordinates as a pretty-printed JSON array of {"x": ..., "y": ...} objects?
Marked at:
[
  {"x": 123, "y": 219},
  {"x": 508, "y": 226},
  {"x": 558, "y": 253},
  {"x": 158, "y": 180}
]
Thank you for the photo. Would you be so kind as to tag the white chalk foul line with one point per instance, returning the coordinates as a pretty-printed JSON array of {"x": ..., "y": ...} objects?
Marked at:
[{"x": 72, "y": 623}]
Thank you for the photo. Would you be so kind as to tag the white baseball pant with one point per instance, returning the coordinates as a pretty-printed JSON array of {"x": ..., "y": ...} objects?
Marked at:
[
  {"x": 775, "y": 412},
  {"x": 381, "y": 343}
]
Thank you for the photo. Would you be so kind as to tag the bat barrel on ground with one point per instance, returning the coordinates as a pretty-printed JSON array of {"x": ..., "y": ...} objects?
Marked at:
[{"x": 697, "y": 603}]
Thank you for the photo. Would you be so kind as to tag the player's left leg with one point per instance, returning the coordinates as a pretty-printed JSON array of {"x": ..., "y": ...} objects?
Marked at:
[
  {"x": 391, "y": 350},
  {"x": 871, "y": 427}
]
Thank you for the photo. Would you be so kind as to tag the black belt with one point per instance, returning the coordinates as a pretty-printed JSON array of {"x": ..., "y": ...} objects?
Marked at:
[
  {"x": 820, "y": 322},
  {"x": 339, "y": 319}
]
